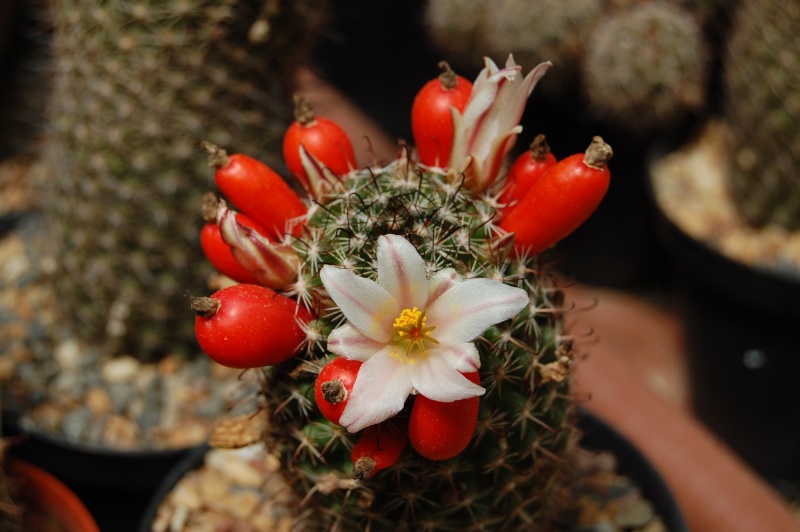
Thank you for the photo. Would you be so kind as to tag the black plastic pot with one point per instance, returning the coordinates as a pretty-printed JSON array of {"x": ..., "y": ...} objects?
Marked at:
[
  {"x": 741, "y": 341},
  {"x": 115, "y": 485},
  {"x": 597, "y": 436}
]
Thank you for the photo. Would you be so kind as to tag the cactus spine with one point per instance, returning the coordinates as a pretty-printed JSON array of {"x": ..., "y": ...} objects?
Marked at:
[{"x": 762, "y": 110}]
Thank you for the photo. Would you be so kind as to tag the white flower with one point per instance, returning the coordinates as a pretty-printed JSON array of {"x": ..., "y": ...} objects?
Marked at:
[
  {"x": 413, "y": 334},
  {"x": 489, "y": 125}
]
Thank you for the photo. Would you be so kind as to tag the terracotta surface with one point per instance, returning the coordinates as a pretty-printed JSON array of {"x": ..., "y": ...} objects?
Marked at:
[
  {"x": 634, "y": 379},
  {"x": 49, "y": 502}
]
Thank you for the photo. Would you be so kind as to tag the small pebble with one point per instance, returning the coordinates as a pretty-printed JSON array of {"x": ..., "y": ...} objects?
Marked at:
[
  {"x": 99, "y": 401},
  {"x": 635, "y": 515},
  {"x": 120, "y": 369},
  {"x": 68, "y": 355},
  {"x": 76, "y": 422}
]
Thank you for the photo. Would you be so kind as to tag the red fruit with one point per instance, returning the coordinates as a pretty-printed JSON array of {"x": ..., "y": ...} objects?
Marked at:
[
  {"x": 333, "y": 386},
  {"x": 256, "y": 190},
  {"x": 248, "y": 326},
  {"x": 431, "y": 120},
  {"x": 379, "y": 447},
  {"x": 322, "y": 138},
  {"x": 560, "y": 200},
  {"x": 526, "y": 170},
  {"x": 216, "y": 250},
  {"x": 440, "y": 431}
]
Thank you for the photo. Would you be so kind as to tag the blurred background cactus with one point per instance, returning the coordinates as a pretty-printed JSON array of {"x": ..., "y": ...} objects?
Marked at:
[
  {"x": 762, "y": 111},
  {"x": 646, "y": 67},
  {"x": 647, "y": 60},
  {"x": 139, "y": 85}
]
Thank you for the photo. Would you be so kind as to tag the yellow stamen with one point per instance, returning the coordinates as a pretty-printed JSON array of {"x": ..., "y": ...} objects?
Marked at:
[{"x": 410, "y": 328}]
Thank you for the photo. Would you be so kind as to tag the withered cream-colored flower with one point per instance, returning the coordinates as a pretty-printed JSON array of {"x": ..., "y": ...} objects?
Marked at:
[
  {"x": 413, "y": 334},
  {"x": 487, "y": 129}
]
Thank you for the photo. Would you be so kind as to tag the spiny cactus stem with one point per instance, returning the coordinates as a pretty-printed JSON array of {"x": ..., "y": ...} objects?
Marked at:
[
  {"x": 334, "y": 391},
  {"x": 598, "y": 153},
  {"x": 303, "y": 112},
  {"x": 205, "y": 307},
  {"x": 363, "y": 468},
  {"x": 448, "y": 78},
  {"x": 217, "y": 157},
  {"x": 539, "y": 147},
  {"x": 209, "y": 206}
]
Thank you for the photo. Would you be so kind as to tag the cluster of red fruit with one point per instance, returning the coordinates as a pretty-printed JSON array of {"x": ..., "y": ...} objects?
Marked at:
[{"x": 250, "y": 325}]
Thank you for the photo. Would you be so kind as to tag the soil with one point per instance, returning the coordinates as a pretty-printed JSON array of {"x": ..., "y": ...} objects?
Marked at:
[
  {"x": 239, "y": 489},
  {"x": 690, "y": 186},
  {"x": 68, "y": 389}
]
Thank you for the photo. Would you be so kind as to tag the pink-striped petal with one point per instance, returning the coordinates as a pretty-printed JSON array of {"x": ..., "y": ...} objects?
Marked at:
[
  {"x": 349, "y": 342},
  {"x": 380, "y": 391},
  {"x": 463, "y": 357},
  {"x": 471, "y": 307},
  {"x": 441, "y": 282},
  {"x": 434, "y": 377},
  {"x": 366, "y": 304},
  {"x": 401, "y": 271}
]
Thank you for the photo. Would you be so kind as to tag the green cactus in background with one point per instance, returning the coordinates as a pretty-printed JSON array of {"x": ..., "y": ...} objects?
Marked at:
[
  {"x": 646, "y": 67},
  {"x": 509, "y": 475},
  {"x": 458, "y": 29},
  {"x": 762, "y": 111},
  {"x": 139, "y": 86},
  {"x": 549, "y": 30},
  {"x": 533, "y": 31}
]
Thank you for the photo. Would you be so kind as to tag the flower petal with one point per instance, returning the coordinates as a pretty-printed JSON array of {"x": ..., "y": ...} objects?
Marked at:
[
  {"x": 463, "y": 357},
  {"x": 401, "y": 271},
  {"x": 434, "y": 377},
  {"x": 349, "y": 342},
  {"x": 380, "y": 391},
  {"x": 471, "y": 307},
  {"x": 365, "y": 303},
  {"x": 441, "y": 282}
]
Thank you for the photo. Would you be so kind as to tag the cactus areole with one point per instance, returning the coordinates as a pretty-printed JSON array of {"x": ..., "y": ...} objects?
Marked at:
[{"x": 422, "y": 323}]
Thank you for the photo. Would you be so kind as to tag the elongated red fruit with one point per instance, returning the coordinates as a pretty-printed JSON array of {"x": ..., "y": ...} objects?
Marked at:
[
  {"x": 216, "y": 250},
  {"x": 333, "y": 386},
  {"x": 256, "y": 190},
  {"x": 431, "y": 120},
  {"x": 526, "y": 170},
  {"x": 440, "y": 431},
  {"x": 560, "y": 200},
  {"x": 379, "y": 447},
  {"x": 322, "y": 138},
  {"x": 248, "y": 326}
]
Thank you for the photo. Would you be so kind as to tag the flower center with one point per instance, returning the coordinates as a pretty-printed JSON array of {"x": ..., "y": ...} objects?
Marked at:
[{"x": 411, "y": 331}]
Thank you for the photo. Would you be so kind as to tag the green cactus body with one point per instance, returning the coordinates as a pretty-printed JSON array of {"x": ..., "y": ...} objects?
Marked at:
[
  {"x": 762, "y": 110},
  {"x": 139, "y": 85},
  {"x": 646, "y": 67},
  {"x": 510, "y": 474}
]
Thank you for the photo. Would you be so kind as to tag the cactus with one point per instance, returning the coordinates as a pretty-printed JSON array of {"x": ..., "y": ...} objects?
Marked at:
[
  {"x": 139, "y": 85},
  {"x": 458, "y": 29},
  {"x": 532, "y": 31},
  {"x": 762, "y": 111},
  {"x": 646, "y": 67},
  {"x": 392, "y": 261},
  {"x": 509, "y": 475}
]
